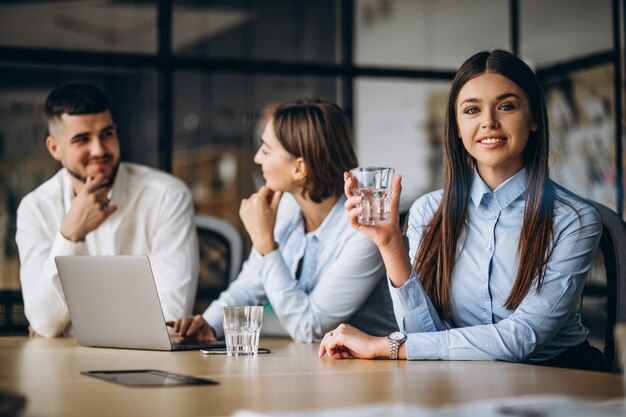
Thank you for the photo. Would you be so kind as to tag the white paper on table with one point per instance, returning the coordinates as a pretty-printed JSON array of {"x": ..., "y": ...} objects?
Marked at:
[{"x": 525, "y": 406}]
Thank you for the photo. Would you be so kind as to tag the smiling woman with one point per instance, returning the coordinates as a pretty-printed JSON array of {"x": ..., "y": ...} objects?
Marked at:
[
  {"x": 494, "y": 120},
  {"x": 456, "y": 297}
]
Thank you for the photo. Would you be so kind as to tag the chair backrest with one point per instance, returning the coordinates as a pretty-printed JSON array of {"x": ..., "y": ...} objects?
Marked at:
[
  {"x": 221, "y": 255},
  {"x": 12, "y": 319},
  {"x": 604, "y": 295}
]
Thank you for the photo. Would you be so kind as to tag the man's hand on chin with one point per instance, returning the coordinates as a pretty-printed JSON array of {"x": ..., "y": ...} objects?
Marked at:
[{"x": 90, "y": 208}]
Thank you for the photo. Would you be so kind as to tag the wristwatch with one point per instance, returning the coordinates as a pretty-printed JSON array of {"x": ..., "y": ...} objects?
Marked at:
[{"x": 395, "y": 339}]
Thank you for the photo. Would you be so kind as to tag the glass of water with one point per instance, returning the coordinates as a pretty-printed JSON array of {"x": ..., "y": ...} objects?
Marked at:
[
  {"x": 242, "y": 326},
  {"x": 374, "y": 188}
]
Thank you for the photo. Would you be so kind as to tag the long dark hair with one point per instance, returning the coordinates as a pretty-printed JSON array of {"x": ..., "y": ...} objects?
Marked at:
[{"x": 437, "y": 252}]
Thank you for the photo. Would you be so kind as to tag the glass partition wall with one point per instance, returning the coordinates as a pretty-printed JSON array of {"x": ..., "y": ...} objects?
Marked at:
[{"x": 192, "y": 82}]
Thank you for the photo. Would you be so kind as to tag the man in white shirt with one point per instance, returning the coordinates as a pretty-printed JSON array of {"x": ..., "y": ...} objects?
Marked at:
[{"x": 96, "y": 205}]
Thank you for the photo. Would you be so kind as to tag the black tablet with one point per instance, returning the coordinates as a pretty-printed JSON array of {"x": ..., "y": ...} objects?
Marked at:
[
  {"x": 148, "y": 378},
  {"x": 11, "y": 404}
]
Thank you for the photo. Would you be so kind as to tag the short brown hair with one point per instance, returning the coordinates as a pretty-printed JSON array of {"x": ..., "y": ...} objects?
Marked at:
[{"x": 320, "y": 133}]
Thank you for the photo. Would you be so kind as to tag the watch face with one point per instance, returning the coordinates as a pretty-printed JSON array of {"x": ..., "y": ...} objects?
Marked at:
[{"x": 397, "y": 336}]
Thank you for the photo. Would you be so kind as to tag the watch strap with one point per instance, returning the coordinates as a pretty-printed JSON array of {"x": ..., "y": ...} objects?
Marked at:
[{"x": 394, "y": 345}]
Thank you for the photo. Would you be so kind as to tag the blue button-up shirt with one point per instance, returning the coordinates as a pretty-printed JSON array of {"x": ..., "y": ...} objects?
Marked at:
[
  {"x": 344, "y": 281},
  {"x": 544, "y": 325}
]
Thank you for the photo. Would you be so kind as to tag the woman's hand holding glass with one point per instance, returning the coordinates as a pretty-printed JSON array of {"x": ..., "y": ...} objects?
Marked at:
[
  {"x": 258, "y": 214},
  {"x": 381, "y": 234},
  {"x": 388, "y": 237}
]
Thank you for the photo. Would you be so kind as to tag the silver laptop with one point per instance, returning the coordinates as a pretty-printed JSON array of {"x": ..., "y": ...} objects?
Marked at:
[{"x": 113, "y": 302}]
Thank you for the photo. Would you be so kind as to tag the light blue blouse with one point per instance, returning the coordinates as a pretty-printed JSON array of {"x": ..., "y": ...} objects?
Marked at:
[
  {"x": 345, "y": 282},
  {"x": 544, "y": 325}
]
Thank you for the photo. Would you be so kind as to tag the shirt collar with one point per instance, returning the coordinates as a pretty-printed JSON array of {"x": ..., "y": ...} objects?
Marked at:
[
  {"x": 68, "y": 193},
  {"x": 120, "y": 189},
  {"x": 327, "y": 228},
  {"x": 505, "y": 194},
  {"x": 118, "y": 193}
]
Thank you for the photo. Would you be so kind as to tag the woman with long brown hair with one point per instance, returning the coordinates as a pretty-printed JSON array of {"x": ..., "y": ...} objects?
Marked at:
[{"x": 498, "y": 258}]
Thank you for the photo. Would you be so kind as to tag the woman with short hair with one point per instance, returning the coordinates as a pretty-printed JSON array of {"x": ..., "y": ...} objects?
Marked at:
[{"x": 306, "y": 261}]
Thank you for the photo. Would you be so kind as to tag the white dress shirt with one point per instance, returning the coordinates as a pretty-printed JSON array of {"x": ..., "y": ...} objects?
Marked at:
[
  {"x": 345, "y": 282},
  {"x": 545, "y": 324},
  {"x": 154, "y": 217}
]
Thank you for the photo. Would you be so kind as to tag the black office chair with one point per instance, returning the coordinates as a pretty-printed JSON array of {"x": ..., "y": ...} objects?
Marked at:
[
  {"x": 604, "y": 296},
  {"x": 221, "y": 255},
  {"x": 12, "y": 319}
]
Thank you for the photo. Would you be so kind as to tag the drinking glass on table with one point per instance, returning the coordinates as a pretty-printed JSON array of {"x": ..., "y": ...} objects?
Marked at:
[
  {"x": 242, "y": 326},
  {"x": 374, "y": 188}
]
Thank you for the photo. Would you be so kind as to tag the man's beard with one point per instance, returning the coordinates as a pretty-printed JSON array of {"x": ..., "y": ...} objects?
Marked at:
[{"x": 109, "y": 182}]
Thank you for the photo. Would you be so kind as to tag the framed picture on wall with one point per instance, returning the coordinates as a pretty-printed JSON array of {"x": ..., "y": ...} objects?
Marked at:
[{"x": 581, "y": 110}]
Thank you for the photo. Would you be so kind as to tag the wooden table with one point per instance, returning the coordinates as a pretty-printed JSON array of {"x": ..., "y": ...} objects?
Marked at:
[{"x": 47, "y": 372}]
